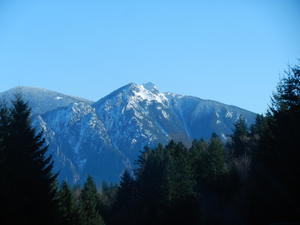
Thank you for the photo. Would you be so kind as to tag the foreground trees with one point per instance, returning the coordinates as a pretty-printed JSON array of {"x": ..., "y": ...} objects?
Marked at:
[
  {"x": 27, "y": 182},
  {"x": 253, "y": 179},
  {"x": 276, "y": 169},
  {"x": 28, "y": 188}
]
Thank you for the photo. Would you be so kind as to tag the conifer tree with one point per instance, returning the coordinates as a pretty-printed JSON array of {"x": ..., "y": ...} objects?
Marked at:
[
  {"x": 68, "y": 207},
  {"x": 181, "y": 177},
  {"x": 89, "y": 200},
  {"x": 126, "y": 188},
  {"x": 277, "y": 166},
  {"x": 182, "y": 197},
  {"x": 125, "y": 204},
  {"x": 151, "y": 184},
  {"x": 240, "y": 138},
  {"x": 213, "y": 162},
  {"x": 30, "y": 181},
  {"x": 4, "y": 167}
]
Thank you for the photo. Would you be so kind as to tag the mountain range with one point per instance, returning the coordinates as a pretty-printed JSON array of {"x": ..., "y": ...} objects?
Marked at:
[{"x": 105, "y": 137}]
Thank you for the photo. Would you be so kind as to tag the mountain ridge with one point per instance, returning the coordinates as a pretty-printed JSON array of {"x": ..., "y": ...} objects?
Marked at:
[{"x": 105, "y": 137}]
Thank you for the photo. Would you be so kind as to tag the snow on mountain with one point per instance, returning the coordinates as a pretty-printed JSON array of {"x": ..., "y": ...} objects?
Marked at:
[
  {"x": 41, "y": 100},
  {"x": 80, "y": 144},
  {"x": 105, "y": 137}
]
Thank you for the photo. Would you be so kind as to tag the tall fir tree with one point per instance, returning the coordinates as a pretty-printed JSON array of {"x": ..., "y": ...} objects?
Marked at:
[
  {"x": 151, "y": 180},
  {"x": 4, "y": 167},
  {"x": 68, "y": 206},
  {"x": 279, "y": 154},
  {"x": 29, "y": 179},
  {"x": 125, "y": 204},
  {"x": 89, "y": 201},
  {"x": 240, "y": 138}
]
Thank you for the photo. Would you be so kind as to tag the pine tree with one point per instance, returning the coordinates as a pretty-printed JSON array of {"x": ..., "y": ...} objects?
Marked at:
[
  {"x": 126, "y": 188},
  {"x": 68, "y": 207},
  {"x": 107, "y": 201},
  {"x": 89, "y": 200},
  {"x": 278, "y": 155},
  {"x": 30, "y": 182},
  {"x": 182, "y": 197},
  {"x": 151, "y": 180},
  {"x": 181, "y": 177},
  {"x": 240, "y": 138},
  {"x": 213, "y": 161},
  {"x": 125, "y": 204},
  {"x": 212, "y": 171},
  {"x": 4, "y": 168}
]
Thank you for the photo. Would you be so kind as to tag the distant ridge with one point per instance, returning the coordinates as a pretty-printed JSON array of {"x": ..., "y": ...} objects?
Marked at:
[
  {"x": 42, "y": 100},
  {"x": 105, "y": 137}
]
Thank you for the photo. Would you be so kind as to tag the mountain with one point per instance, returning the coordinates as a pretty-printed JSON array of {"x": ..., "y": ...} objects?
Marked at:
[
  {"x": 41, "y": 100},
  {"x": 103, "y": 138}
]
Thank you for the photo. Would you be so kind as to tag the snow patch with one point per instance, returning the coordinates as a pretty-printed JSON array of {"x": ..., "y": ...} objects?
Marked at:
[
  {"x": 143, "y": 94},
  {"x": 165, "y": 114},
  {"x": 224, "y": 136},
  {"x": 133, "y": 141},
  {"x": 229, "y": 115}
]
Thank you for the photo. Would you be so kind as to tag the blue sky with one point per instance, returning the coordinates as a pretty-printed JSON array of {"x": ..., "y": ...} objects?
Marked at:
[{"x": 230, "y": 51}]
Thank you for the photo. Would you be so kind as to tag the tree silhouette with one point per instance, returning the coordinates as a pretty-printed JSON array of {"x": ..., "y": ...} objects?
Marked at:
[{"x": 29, "y": 182}]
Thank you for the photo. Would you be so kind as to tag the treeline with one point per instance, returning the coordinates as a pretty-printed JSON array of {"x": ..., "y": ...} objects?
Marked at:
[
  {"x": 253, "y": 178},
  {"x": 29, "y": 193}
]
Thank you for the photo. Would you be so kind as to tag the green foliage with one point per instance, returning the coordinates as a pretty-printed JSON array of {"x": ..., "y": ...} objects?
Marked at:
[
  {"x": 89, "y": 200},
  {"x": 240, "y": 138},
  {"x": 164, "y": 190},
  {"x": 124, "y": 210},
  {"x": 107, "y": 199},
  {"x": 68, "y": 206}
]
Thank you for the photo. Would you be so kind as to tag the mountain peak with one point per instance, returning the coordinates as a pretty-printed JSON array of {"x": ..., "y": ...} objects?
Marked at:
[
  {"x": 150, "y": 87},
  {"x": 146, "y": 92}
]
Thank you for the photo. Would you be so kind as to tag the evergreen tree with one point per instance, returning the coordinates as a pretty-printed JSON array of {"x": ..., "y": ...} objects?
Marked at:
[
  {"x": 198, "y": 152},
  {"x": 257, "y": 131},
  {"x": 210, "y": 181},
  {"x": 278, "y": 155},
  {"x": 182, "y": 197},
  {"x": 4, "y": 167},
  {"x": 125, "y": 204},
  {"x": 151, "y": 184},
  {"x": 214, "y": 161},
  {"x": 107, "y": 201},
  {"x": 240, "y": 138},
  {"x": 180, "y": 175},
  {"x": 89, "y": 200},
  {"x": 68, "y": 207},
  {"x": 29, "y": 179},
  {"x": 126, "y": 188}
]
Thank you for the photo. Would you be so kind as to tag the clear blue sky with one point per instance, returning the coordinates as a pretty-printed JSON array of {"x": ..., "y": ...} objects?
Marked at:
[{"x": 229, "y": 51}]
